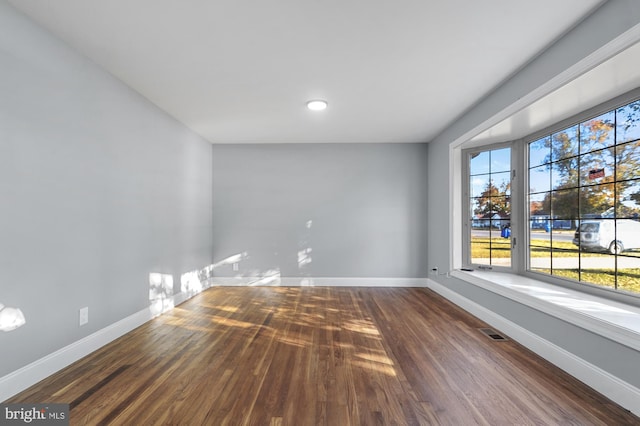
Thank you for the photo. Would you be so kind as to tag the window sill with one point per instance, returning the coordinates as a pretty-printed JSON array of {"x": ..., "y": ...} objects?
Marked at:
[{"x": 611, "y": 319}]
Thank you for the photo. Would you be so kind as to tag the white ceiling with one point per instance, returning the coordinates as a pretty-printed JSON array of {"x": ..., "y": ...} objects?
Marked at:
[
  {"x": 613, "y": 77},
  {"x": 236, "y": 71}
]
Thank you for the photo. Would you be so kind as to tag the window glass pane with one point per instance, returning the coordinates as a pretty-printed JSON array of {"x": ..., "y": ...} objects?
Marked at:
[
  {"x": 598, "y": 268},
  {"x": 584, "y": 201},
  {"x": 479, "y": 185},
  {"x": 479, "y": 163},
  {"x": 476, "y": 217},
  {"x": 490, "y": 207},
  {"x": 597, "y": 201},
  {"x": 539, "y": 210},
  {"x": 558, "y": 228},
  {"x": 501, "y": 183},
  {"x": 628, "y": 122},
  {"x": 629, "y": 271},
  {"x": 483, "y": 211},
  {"x": 493, "y": 219},
  {"x": 597, "y": 133},
  {"x": 501, "y": 245},
  {"x": 564, "y": 144},
  {"x": 628, "y": 199},
  {"x": 564, "y": 173},
  {"x": 486, "y": 241},
  {"x": 565, "y": 256},
  {"x": 501, "y": 160},
  {"x": 627, "y": 237},
  {"x": 596, "y": 235},
  {"x": 564, "y": 205},
  {"x": 502, "y": 207},
  {"x": 540, "y": 152},
  {"x": 540, "y": 179},
  {"x": 628, "y": 161},
  {"x": 484, "y": 217},
  {"x": 539, "y": 247},
  {"x": 597, "y": 167},
  {"x": 473, "y": 206},
  {"x": 481, "y": 249}
]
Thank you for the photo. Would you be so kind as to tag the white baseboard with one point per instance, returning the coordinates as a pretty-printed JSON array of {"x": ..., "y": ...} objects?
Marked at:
[
  {"x": 181, "y": 297},
  {"x": 21, "y": 379},
  {"x": 614, "y": 388},
  {"x": 275, "y": 281}
]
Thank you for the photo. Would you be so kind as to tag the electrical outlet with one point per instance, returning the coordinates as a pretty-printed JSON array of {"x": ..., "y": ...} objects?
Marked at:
[
  {"x": 236, "y": 267},
  {"x": 84, "y": 316},
  {"x": 434, "y": 271}
]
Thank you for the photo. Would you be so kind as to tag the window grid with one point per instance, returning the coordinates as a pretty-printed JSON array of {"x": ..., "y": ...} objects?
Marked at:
[
  {"x": 490, "y": 207},
  {"x": 587, "y": 161}
]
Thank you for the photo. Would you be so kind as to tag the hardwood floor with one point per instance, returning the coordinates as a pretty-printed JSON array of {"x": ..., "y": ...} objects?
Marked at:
[{"x": 315, "y": 355}]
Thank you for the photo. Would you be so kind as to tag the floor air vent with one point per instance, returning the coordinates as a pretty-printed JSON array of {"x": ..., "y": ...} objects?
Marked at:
[{"x": 492, "y": 334}]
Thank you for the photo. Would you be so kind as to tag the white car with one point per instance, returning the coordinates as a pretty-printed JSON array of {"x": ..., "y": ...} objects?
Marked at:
[{"x": 614, "y": 236}]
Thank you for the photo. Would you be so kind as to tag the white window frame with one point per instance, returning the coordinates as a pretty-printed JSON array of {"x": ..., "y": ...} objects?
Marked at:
[
  {"x": 460, "y": 229},
  {"x": 467, "y": 217}
]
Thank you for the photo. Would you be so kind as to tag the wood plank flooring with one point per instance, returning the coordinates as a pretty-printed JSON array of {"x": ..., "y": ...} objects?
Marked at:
[{"x": 320, "y": 356}]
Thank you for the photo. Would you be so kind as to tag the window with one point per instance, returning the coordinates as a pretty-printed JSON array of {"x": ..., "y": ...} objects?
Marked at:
[
  {"x": 584, "y": 201},
  {"x": 580, "y": 189},
  {"x": 490, "y": 204}
]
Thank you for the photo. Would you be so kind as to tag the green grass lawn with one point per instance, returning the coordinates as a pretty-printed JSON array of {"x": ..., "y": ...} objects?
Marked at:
[
  {"x": 482, "y": 247},
  {"x": 627, "y": 279},
  {"x": 490, "y": 247},
  {"x": 497, "y": 247}
]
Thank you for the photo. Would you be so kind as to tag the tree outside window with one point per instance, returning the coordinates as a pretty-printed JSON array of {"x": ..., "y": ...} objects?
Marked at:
[{"x": 588, "y": 177}]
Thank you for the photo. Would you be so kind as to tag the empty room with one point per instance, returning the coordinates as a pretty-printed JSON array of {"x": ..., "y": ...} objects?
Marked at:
[{"x": 320, "y": 213}]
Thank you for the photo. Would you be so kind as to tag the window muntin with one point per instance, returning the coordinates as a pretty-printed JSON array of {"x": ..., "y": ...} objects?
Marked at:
[
  {"x": 584, "y": 201},
  {"x": 490, "y": 207}
]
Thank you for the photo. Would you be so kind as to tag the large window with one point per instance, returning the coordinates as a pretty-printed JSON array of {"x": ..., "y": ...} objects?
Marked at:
[
  {"x": 581, "y": 191},
  {"x": 584, "y": 201},
  {"x": 490, "y": 202}
]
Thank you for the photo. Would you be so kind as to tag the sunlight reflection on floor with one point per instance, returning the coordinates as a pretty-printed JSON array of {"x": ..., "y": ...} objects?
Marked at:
[
  {"x": 382, "y": 359},
  {"x": 380, "y": 368},
  {"x": 362, "y": 327}
]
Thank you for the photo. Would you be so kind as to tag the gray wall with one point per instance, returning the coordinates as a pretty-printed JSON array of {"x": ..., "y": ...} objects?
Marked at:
[
  {"x": 98, "y": 188},
  {"x": 607, "y": 23},
  {"x": 365, "y": 204}
]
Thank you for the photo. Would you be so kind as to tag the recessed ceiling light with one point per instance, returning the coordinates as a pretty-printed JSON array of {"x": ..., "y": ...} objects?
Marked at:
[{"x": 317, "y": 105}]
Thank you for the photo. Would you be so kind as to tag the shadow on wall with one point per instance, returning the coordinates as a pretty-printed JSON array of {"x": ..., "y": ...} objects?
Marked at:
[{"x": 11, "y": 318}]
